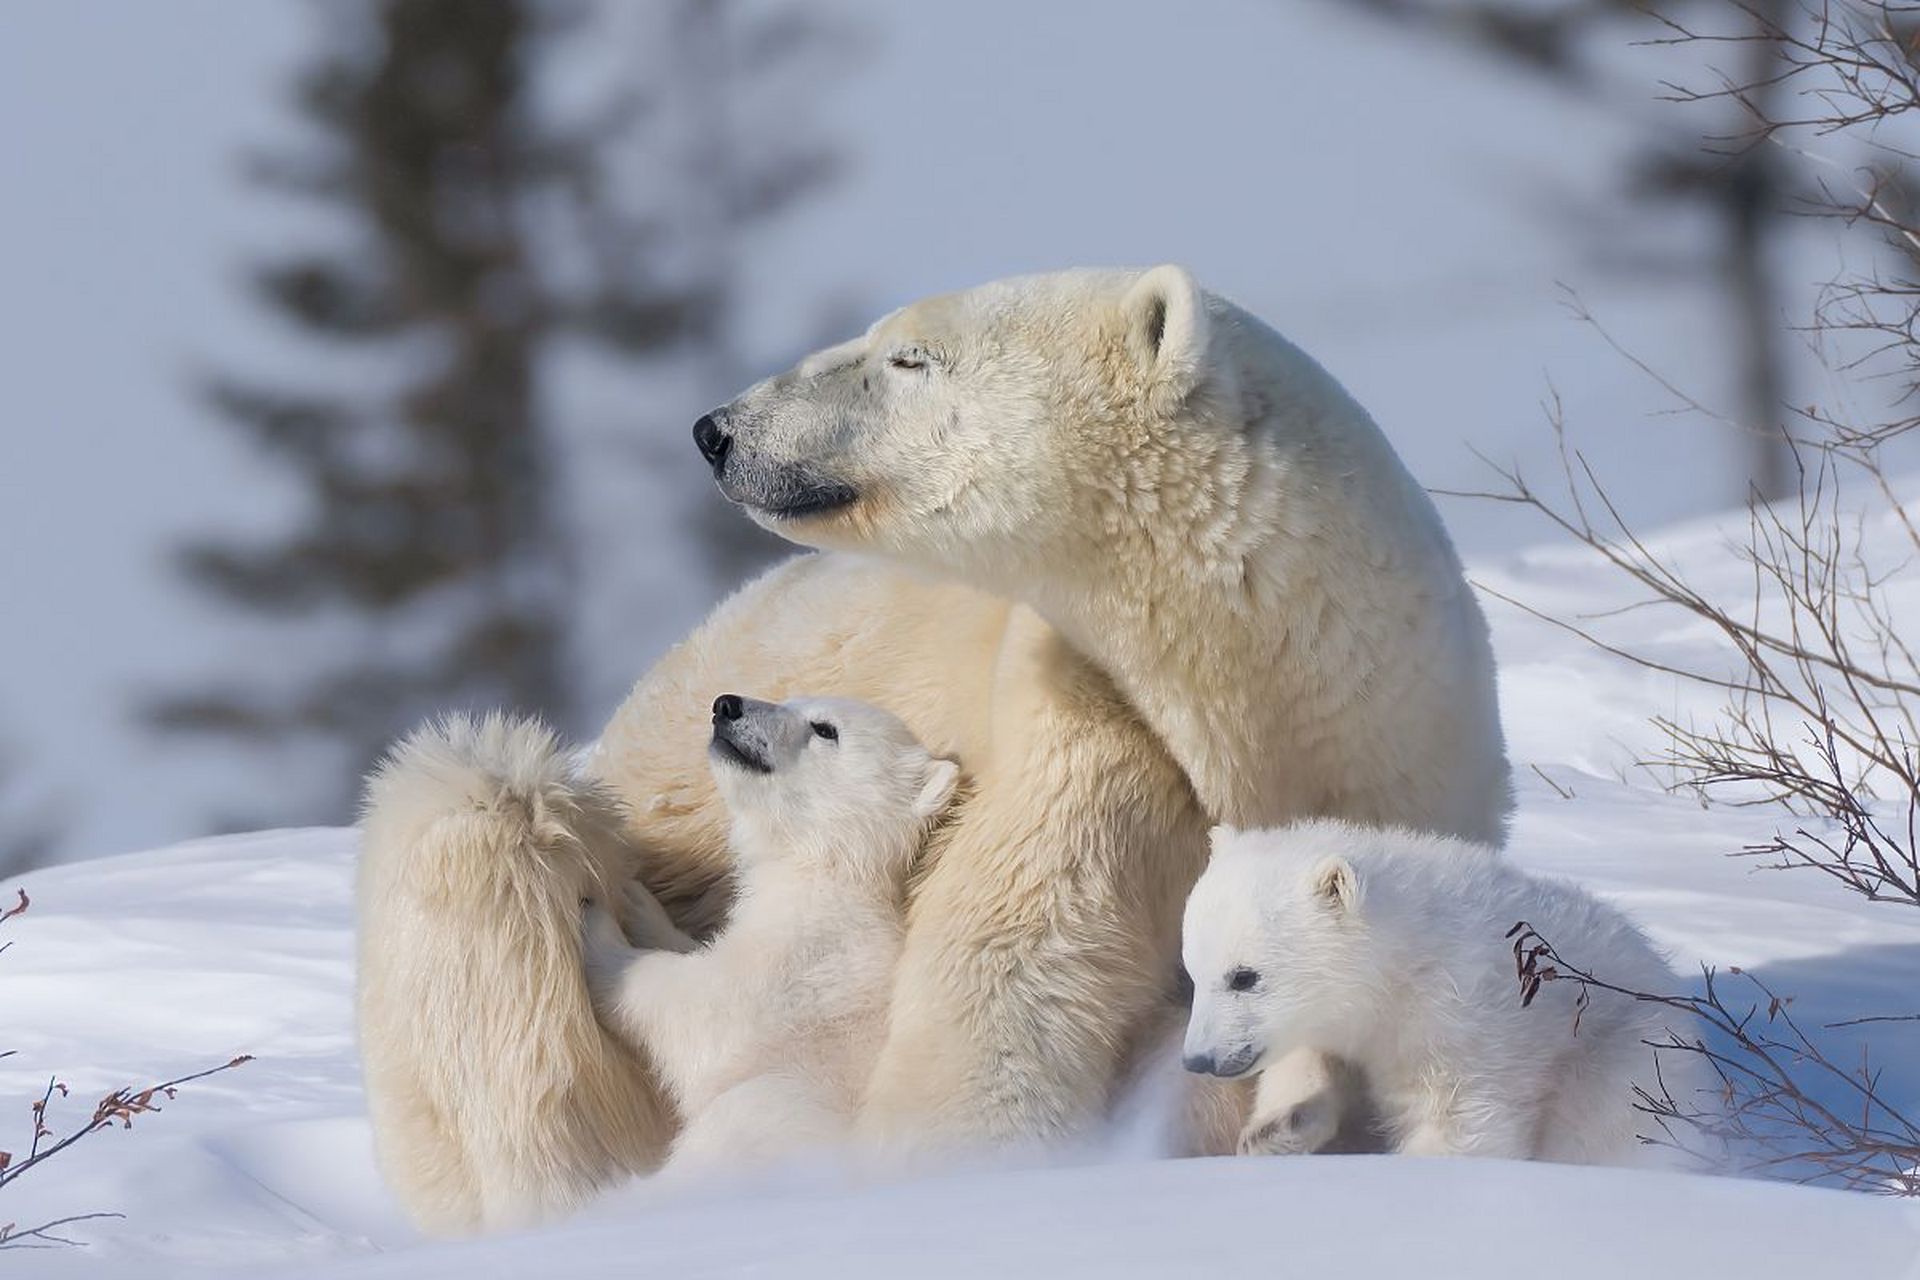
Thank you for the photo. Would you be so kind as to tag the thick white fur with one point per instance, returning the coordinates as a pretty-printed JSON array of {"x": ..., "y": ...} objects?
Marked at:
[
  {"x": 1144, "y": 567},
  {"x": 766, "y": 1036},
  {"x": 1390, "y": 950},
  {"x": 495, "y": 1100}
]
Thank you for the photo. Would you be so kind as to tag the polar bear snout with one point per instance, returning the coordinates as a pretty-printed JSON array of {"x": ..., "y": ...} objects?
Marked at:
[
  {"x": 765, "y": 486},
  {"x": 740, "y": 733}
]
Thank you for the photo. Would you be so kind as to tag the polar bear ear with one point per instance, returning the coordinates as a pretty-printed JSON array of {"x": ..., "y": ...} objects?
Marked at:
[
  {"x": 1336, "y": 884},
  {"x": 942, "y": 777},
  {"x": 1220, "y": 834},
  {"x": 1166, "y": 319}
]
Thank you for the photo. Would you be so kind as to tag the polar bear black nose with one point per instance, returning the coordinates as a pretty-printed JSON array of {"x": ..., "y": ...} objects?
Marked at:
[
  {"x": 1198, "y": 1063},
  {"x": 713, "y": 441},
  {"x": 728, "y": 706}
]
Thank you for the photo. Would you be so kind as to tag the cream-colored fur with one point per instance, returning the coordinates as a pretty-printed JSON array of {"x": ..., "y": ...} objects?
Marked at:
[
  {"x": 495, "y": 1099},
  {"x": 766, "y": 1036},
  {"x": 1143, "y": 566}
]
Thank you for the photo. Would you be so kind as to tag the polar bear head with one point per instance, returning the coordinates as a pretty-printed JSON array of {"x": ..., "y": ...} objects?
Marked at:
[
  {"x": 827, "y": 777},
  {"x": 1278, "y": 943},
  {"x": 1000, "y": 431}
]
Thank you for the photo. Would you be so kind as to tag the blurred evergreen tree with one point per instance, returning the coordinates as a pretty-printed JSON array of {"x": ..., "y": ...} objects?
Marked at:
[
  {"x": 734, "y": 79},
  {"x": 430, "y": 522}
]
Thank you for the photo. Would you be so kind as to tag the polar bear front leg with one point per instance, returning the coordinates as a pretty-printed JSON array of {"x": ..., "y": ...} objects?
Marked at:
[
  {"x": 1039, "y": 940},
  {"x": 1008, "y": 1035}
]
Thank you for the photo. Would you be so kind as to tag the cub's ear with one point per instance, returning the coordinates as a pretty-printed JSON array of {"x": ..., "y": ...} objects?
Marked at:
[
  {"x": 937, "y": 790},
  {"x": 1336, "y": 884},
  {"x": 1166, "y": 320}
]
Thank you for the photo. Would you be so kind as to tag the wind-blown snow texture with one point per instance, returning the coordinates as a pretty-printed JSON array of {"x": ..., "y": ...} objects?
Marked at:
[{"x": 132, "y": 969}]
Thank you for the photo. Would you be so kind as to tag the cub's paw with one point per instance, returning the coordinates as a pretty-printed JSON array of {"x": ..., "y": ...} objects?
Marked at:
[
  {"x": 653, "y": 929},
  {"x": 604, "y": 949},
  {"x": 1302, "y": 1129}
]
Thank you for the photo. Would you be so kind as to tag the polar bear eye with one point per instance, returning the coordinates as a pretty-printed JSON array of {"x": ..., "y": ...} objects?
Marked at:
[
  {"x": 821, "y": 729},
  {"x": 1242, "y": 979},
  {"x": 908, "y": 358}
]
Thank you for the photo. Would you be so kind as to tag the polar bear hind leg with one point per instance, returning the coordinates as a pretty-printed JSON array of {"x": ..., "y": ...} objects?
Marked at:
[{"x": 497, "y": 1099}]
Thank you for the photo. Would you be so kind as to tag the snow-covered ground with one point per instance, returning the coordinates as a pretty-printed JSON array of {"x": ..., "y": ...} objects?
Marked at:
[{"x": 136, "y": 968}]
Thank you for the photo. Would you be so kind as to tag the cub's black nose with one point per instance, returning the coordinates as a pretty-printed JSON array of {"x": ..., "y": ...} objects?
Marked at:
[
  {"x": 728, "y": 706},
  {"x": 713, "y": 441},
  {"x": 1198, "y": 1063}
]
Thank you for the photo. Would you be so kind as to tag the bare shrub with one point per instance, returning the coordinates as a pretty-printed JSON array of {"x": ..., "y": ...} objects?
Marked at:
[
  {"x": 1819, "y": 685},
  {"x": 119, "y": 1107},
  {"x": 1781, "y": 1105},
  {"x": 1817, "y": 724}
]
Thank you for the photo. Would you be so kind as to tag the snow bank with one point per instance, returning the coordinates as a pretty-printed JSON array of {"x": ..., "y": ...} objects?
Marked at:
[
  {"x": 132, "y": 969},
  {"x": 1352, "y": 1217}
]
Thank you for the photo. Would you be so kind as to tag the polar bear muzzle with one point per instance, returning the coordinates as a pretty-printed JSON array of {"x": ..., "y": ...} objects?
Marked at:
[
  {"x": 782, "y": 492},
  {"x": 739, "y": 739}
]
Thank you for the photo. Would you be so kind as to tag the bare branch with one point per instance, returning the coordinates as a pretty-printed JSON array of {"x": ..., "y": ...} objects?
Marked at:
[
  {"x": 13, "y": 1236},
  {"x": 44, "y": 1143},
  {"x": 1818, "y": 684},
  {"x": 1766, "y": 1115}
]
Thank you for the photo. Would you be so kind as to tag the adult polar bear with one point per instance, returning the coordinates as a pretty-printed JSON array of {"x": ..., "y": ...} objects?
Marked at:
[{"x": 1134, "y": 559}]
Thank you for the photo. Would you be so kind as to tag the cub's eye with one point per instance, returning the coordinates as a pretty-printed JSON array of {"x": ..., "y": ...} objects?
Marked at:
[
  {"x": 1242, "y": 980},
  {"x": 821, "y": 729},
  {"x": 908, "y": 358}
]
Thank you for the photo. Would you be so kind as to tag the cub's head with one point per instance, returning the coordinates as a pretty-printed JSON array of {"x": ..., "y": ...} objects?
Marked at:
[
  {"x": 825, "y": 775},
  {"x": 987, "y": 431},
  {"x": 1276, "y": 943}
]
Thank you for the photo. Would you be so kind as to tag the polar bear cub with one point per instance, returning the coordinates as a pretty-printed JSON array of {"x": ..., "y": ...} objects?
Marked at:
[
  {"x": 1389, "y": 949},
  {"x": 765, "y": 1037}
]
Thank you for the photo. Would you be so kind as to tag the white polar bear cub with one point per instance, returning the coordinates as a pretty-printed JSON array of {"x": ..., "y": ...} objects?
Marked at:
[
  {"x": 766, "y": 1036},
  {"x": 1390, "y": 950}
]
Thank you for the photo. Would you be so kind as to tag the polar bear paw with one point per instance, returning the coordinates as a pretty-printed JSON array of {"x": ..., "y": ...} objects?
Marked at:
[{"x": 1298, "y": 1130}]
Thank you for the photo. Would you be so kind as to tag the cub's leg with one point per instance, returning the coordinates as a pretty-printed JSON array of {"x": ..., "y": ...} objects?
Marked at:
[
  {"x": 681, "y": 1007},
  {"x": 649, "y": 925},
  {"x": 1310, "y": 1102},
  {"x": 1447, "y": 1121}
]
